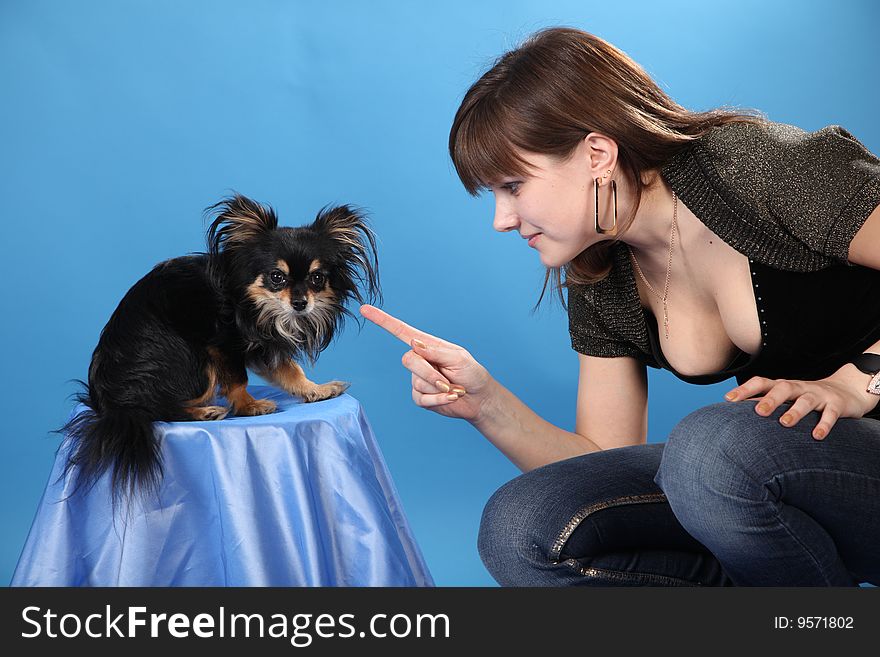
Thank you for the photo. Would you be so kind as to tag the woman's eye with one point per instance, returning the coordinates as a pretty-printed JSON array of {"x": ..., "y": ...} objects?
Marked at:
[
  {"x": 317, "y": 279},
  {"x": 276, "y": 277},
  {"x": 512, "y": 187}
]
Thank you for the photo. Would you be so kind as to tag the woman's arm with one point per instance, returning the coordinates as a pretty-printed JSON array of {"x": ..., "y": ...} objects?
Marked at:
[
  {"x": 448, "y": 380},
  {"x": 612, "y": 405},
  {"x": 612, "y": 411},
  {"x": 865, "y": 247},
  {"x": 843, "y": 394},
  {"x": 523, "y": 436}
]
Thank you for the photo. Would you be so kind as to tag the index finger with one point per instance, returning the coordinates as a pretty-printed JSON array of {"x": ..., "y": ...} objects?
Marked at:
[{"x": 398, "y": 328}]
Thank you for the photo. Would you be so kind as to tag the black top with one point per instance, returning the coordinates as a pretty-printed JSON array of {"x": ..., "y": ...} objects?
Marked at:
[
  {"x": 789, "y": 200},
  {"x": 812, "y": 323},
  {"x": 786, "y": 198}
]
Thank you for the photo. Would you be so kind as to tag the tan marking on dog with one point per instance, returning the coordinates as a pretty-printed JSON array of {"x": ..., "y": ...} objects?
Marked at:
[
  {"x": 284, "y": 294},
  {"x": 262, "y": 296},
  {"x": 346, "y": 235},
  {"x": 207, "y": 413},
  {"x": 311, "y": 294},
  {"x": 244, "y": 404},
  {"x": 256, "y": 291},
  {"x": 211, "y": 373},
  {"x": 248, "y": 221},
  {"x": 233, "y": 386},
  {"x": 226, "y": 377},
  {"x": 239, "y": 397},
  {"x": 290, "y": 377}
]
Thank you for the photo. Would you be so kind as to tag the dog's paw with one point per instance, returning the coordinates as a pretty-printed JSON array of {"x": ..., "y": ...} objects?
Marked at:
[
  {"x": 257, "y": 407},
  {"x": 209, "y": 413},
  {"x": 326, "y": 391}
]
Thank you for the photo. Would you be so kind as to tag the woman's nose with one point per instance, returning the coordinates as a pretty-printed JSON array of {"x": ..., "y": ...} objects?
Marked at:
[{"x": 505, "y": 218}]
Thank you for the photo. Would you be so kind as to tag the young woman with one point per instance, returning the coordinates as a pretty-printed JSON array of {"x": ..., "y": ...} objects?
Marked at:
[{"x": 711, "y": 244}]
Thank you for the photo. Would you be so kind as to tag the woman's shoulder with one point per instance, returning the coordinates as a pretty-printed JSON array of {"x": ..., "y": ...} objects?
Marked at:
[
  {"x": 605, "y": 317},
  {"x": 769, "y": 141},
  {"x": 790, "y": 198}
]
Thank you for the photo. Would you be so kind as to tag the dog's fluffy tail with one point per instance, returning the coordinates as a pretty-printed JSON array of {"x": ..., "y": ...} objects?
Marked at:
[{"x": 121, "y": 440}]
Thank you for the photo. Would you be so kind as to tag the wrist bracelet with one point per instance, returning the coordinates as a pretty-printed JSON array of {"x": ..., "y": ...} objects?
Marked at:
[{"x": 869, "y": 364}]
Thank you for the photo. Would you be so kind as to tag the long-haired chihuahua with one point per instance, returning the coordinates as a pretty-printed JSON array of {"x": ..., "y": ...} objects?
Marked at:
[{"x": 262, "y": 298}]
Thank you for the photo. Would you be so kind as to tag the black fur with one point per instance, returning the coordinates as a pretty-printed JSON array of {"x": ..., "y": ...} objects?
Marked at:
[{"x": 193, "y": 315}]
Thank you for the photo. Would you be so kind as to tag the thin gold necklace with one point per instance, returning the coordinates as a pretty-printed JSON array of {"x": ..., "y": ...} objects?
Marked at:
[{"x": 665, "y": 296}]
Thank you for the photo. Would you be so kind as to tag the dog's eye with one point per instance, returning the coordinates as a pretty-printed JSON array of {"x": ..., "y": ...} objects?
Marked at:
[
  {"x": 277, "y": 277},
  {"x": 316, "y": 279}
]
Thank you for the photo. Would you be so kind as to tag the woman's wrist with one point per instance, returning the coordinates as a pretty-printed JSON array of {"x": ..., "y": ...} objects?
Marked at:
[
  {"x": 857, "y": 381},
  {"x": 490, "y": 405}
]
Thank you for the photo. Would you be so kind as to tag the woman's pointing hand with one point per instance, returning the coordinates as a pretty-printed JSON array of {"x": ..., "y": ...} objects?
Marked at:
[{"x": 445, "y": 377}]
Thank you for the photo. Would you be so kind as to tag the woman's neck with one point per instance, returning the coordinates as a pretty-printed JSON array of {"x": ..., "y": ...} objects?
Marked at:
[{"x": 648, "y": 234}]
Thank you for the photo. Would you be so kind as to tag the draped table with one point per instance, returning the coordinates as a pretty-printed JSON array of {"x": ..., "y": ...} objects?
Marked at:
[{"x": 300, "y": 497}]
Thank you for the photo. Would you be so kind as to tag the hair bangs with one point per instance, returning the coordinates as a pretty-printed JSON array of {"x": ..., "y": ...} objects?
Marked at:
[{"x": 481, "y": 148}]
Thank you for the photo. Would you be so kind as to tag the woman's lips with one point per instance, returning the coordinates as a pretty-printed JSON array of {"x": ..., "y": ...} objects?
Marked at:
[{"x": 533, "y": 239}]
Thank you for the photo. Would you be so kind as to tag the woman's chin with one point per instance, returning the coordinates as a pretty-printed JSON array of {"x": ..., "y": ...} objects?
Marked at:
[
  {"x": 552, "y": 261},
  {"x": 556, "y": 258}
]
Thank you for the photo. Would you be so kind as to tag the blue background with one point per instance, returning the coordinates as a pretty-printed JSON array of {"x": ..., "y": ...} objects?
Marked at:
[{"x": 121, "y": 121}]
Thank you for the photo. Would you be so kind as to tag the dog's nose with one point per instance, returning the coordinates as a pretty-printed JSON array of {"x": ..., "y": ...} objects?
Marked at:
[{"x": 299, "y": 304}]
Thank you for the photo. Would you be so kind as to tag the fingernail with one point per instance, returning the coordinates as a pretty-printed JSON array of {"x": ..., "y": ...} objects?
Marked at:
[
  {"x": 786, "y": 419},
  {"x": 730, "y": 396},
  {"x": 451, "y": 397},
  {"x": 458, "y": 390},
  {"x": 819, "y": 434},
  {"x": 763, "y": 408},
  {"x": 418, "y": 343},
  {"x": 443, "y": 386}
]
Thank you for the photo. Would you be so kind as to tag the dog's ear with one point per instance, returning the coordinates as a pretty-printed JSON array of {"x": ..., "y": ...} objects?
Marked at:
[
  {"x": 348, "y": 229},
  {"x": 238, "y": 220}
]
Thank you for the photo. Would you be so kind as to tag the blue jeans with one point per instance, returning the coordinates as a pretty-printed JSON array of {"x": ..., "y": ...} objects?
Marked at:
[{"x": 733, "y": 498}]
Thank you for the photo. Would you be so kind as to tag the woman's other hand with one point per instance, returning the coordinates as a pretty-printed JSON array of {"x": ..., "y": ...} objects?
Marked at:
[
  {"x": 445, "y": 377},
  {"x": 843, "y": 394}
]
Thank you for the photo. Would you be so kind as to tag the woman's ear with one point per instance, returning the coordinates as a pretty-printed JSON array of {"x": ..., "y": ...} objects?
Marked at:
[{"x": 601, "y": 152}]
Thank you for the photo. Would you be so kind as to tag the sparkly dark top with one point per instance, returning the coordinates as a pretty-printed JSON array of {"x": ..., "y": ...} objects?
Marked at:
[{"x": 789, "y": 200}]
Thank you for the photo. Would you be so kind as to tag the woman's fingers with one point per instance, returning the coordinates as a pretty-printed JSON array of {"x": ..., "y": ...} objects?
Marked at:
[
  {"x": 423, "y": 369},
  {"x": 421, "y": 385},
  {"x": 426, "y": 372},
  {"x": 775, "y": 391},
  {"x": 399, "y": 329},
  {"x": 807, "y": 398},
  {"x": 754, "y": 386},
  {"x": 439, "y": 355},
  {"x": 826, "y": 422},
  {"x": 804, "y": 404},
  {"x": 432, "y": 400},
  {"x": 429, "y": 353},
  {"x": 781, "y": 392}
]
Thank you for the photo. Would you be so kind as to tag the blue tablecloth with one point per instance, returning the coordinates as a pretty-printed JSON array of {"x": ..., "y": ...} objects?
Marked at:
[{"x": 301, "y": 497}]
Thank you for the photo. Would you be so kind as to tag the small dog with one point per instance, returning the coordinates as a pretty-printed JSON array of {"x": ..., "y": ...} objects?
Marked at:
[{"x": 262, "y": 297}]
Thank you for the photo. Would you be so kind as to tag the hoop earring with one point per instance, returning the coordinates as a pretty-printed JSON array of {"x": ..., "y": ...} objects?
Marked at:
[{"x": 613, "y": 229}]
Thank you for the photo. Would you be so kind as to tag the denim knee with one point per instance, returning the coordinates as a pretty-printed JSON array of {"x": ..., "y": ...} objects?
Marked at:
[
  {"x": 507, "y": 538},
  {"x": 708, "y": 466}
]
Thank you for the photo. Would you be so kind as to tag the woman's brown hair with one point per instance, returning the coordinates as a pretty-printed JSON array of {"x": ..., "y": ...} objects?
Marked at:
[{"x": 547, "y": 95}]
